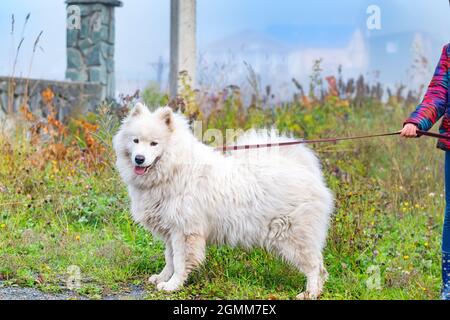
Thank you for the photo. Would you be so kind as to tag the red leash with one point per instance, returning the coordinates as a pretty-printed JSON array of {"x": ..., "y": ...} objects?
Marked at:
[{"x": 290, "y": 143}]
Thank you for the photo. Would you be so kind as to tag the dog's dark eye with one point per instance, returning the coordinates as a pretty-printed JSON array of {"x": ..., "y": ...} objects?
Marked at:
[
  {"x": 136, "y": 140},
  {"x": 153, "y": 143}
]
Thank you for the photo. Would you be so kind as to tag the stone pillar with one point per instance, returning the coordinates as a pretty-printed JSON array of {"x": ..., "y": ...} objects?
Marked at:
[
  {"x": 183, "y": 44},
  {"x": 90, "y": 43}
]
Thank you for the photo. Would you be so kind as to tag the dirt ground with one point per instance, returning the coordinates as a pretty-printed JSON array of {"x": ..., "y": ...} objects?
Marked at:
[{"x": 18, "y": 293}]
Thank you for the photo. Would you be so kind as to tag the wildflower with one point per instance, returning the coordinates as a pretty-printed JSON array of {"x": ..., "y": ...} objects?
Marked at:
[
  {"x": 47, "y": 95},
  {"x": 426, "y": 244},
  {"x": 431, "y": 194},
  {"x": 77, "y": 238},
  {"x": 2, "y": 226},
  {"x": 406, "y": 257}
]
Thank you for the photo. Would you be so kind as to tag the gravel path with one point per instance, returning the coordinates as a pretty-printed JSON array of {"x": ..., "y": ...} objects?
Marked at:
[{"x": 18, "y": 293}]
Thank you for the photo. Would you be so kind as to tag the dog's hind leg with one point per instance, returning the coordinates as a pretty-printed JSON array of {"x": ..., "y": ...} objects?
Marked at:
[
  {"x": 167, "y": 271},
  {"x": 316, "y": 275},
  {"x": 309, "y": 262},
  {"x": 301, "y": 245}
]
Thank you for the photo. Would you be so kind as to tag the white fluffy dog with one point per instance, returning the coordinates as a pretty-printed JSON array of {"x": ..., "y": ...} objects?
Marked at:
[{"x": 189, "y": 195}]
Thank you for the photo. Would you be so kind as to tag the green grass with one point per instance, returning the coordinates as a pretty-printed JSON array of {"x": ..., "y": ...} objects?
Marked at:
[{"x": 386, "y": 220}]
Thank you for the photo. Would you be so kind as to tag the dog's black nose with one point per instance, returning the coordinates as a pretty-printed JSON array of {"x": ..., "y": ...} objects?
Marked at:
[{"x": 139, "y": 159}]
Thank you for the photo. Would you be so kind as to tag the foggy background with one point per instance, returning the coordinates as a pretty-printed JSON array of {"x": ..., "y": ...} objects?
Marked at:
[{"x": 279, "y": 39}]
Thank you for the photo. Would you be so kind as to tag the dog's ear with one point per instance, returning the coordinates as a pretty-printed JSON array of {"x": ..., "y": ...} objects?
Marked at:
[
  {"x": 138, "y": 109},
  {"x": 166, "y": 115}
]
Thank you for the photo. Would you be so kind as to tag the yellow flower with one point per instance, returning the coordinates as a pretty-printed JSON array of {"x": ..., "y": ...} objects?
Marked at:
[
  {"x": 2, "y": 226},
  {"x": 426, "y": 244},
  {"x": 406, "y": 257},
  {"x": 77, "y": 238}
]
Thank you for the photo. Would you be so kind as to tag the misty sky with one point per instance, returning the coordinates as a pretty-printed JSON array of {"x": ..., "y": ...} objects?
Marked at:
[{"x": 143, "y": 27}]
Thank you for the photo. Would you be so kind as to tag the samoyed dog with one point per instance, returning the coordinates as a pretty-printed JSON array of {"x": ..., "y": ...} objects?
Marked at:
[{"x": 190, "y": 195}]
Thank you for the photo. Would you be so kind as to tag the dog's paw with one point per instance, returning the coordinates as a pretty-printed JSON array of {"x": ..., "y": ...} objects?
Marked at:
[
  {"x": 306, "y": 296},
  {"x": 169, "y": 286},
  {"x": 155, "y": 279}
]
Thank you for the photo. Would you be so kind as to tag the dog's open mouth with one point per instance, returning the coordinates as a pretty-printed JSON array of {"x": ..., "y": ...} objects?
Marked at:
[{"x": 143, "y": 170}]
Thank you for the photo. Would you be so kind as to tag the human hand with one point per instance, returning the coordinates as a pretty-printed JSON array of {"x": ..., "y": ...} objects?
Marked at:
[{"x": 409, "y": 131}]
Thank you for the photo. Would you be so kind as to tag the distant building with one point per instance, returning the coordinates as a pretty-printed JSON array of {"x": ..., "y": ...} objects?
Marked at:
[{"x": 281, "y": 53}]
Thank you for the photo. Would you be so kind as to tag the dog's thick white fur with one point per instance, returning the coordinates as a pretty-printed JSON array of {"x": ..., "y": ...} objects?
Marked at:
[{"x": 190, "y": 195}]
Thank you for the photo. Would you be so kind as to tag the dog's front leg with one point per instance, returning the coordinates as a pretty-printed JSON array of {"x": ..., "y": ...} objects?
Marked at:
[
  {"x": 178, "y": 243},
  {"x": 167, "y": 271}
]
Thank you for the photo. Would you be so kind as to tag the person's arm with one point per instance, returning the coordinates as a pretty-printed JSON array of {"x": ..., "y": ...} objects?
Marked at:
[{"x": 435, "y": 101}]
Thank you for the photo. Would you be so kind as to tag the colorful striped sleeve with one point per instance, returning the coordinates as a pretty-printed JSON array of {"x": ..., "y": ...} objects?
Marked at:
[{"x": 434, "y": 103}]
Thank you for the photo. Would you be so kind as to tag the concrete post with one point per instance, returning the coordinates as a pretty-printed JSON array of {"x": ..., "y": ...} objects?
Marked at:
[
  {"x": 90, "y": 43},
  {"x": 183, "y": 44}
]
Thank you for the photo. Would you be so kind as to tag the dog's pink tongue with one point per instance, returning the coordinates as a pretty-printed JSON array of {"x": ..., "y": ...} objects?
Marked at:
[{"x": 139, "y": 170}]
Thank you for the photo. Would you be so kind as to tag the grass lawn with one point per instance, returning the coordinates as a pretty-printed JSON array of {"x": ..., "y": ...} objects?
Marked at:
[{"x": 384, "y": 240}]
